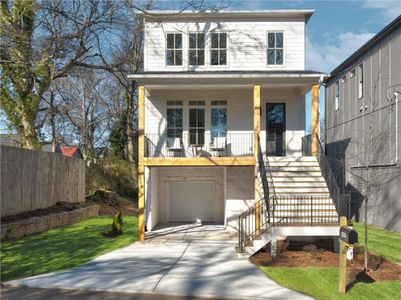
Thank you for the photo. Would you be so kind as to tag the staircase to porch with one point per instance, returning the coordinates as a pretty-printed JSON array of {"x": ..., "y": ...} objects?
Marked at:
[{"x": 296, "y": 200}]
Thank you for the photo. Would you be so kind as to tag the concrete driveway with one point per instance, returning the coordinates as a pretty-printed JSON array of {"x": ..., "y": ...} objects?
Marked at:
[{"x": 163, "y": 266}]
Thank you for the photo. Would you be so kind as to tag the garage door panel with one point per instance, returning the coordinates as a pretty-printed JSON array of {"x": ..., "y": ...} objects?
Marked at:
[{"x": 191, "y": 201}]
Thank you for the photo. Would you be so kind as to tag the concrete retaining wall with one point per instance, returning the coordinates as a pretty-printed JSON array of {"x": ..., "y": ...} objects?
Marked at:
[{"x": 34, "y": 225}]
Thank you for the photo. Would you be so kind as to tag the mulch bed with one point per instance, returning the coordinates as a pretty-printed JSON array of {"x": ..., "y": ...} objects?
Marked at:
[
  {"x": 59, "y": 207},
  {"x": 320, "y": 254}
]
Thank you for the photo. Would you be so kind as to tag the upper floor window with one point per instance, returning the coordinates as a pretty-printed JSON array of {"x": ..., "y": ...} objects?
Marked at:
[
  {"x": 337, "y": 96},
  {"x": 174, "y": 49},
  {"x": 275, "y": 48},
  {"x": 360, "y": 81},
  {"x": 196, "y": 49},
  {"x": 174, "y": 119},
  {"x": 218, "y": 49}
]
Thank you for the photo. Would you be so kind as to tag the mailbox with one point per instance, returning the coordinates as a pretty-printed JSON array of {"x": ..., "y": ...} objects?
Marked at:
[{"x": 348, "y": 235}]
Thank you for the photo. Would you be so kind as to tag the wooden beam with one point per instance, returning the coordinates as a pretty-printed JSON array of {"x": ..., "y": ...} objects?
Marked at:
[
  {"x": 256, "y": 118},
  {"x": 199, "y": 161},
  {"x": 315, "y": 119},
  {"x": 141, "y": 166},
  {"x": 342, "y": 285},
  {"x": 256, "y": 135}
]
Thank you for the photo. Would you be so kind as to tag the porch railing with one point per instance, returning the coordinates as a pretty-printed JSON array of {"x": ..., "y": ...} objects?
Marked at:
[
  {"x": 304, "y": 210},
  {"x": 203, "y": 145},
  {"x": 341, "y": 200}
]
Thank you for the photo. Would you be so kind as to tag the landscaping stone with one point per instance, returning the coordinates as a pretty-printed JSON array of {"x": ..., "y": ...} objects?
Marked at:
[{"x": 17, "y": 229}]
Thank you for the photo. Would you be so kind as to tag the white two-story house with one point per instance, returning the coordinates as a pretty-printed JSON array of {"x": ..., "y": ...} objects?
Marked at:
[{"x": 222, "y": 124}]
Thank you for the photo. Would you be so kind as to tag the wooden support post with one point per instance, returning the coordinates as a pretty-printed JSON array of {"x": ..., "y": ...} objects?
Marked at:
[
  {"x": 315, "y": 119},
  {"x": 342, "y": 286},
  {"x": 141, "y": 166},
  {"x": 256, "y": 134}
]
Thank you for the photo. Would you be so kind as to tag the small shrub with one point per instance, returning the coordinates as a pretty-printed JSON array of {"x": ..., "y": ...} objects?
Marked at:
[{"x": 116, "y": 226}]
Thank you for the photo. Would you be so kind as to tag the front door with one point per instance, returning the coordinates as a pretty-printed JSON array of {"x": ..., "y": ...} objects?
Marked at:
[{"x": 275, "y": 129}]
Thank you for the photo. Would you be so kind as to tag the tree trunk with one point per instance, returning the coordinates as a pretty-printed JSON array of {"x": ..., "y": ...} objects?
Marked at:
[
  {"x": 29, "y": 135},
  {"x": 53, "y": 121},
  {"x": 130, "y": 125},
  {"x": 366, "y": 233}
]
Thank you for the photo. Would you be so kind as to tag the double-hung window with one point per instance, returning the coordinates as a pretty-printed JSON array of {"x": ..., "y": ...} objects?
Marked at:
[
  {"x": 196, "y": 49},
  {"x": 360, "y": 81},
  {"x": 219, "y": 118},
  {"x": 275, "y": 48},
  {"x": 174, "y": 119},
  {"x": 174, "y": 49},
  {"x": 337, "y": 96},
  {"x": 218, "y": 49},
  {"x": 196, "y": 122}
]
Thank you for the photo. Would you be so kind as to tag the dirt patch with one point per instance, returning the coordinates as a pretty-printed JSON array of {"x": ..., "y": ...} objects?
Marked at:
[
  {"x": 110, "y": 203},
  {"x": 58, "y": 208},
  {"x": 320, "y": 254}
]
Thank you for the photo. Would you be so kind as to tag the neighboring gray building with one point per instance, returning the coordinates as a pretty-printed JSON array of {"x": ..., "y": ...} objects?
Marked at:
[{"x": 363, "y": 134}]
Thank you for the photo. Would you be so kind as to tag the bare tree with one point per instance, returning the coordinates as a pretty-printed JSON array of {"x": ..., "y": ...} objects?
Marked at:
[{"x": 42, "y": 41}]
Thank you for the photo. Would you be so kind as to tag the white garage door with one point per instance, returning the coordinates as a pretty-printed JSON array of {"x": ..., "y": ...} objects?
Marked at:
[{"x": 191, "y": 201}]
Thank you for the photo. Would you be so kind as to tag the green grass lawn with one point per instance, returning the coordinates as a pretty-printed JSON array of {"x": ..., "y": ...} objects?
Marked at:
[
  {"x": 62, "y": 248},
  {"x": 322, "y": 283},
  {"x": 381, "y": 242}
]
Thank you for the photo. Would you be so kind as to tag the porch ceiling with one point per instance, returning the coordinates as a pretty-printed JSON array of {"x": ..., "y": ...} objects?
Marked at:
[{"x": 301, "y": 80}]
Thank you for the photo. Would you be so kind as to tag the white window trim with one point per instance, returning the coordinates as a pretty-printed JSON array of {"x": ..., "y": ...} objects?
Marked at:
[
  {"x": 204, "y": 107},
  {"x": 175, "y": 106},
  {"x": 360, "y": 76},
  {"x": 226, "y": 106},
  {"x": 182, "y": 49},
  {"x": 197, "y": 49},
  {"x": 284, "y": 49},
  {"x": 337, "y": 96},
  {"x": 210, "y": 50}
]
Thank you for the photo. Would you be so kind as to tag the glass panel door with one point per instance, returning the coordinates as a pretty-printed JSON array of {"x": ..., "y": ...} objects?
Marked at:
[{"x": 275, "y": 129}]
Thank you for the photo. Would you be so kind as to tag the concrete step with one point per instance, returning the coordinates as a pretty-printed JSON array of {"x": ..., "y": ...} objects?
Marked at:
[
  {"x": 292, "y": 174},
  {"x": 310, "y": 184},
  {"x": 301, "y": 190},
  {"x": 299, "y": 179},
  {"x": 292, "y": 164},
  {"x": 295, "y": 169},
  {"x": 291, "y": 158},
  {"x": 257, "y": 244},
  {"x": 304, "y": 194}
]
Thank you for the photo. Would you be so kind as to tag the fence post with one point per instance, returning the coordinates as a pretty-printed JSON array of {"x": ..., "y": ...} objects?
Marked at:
[{"x": 311, "y": 211}]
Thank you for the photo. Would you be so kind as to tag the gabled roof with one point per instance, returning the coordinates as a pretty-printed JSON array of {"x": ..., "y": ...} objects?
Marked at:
[
  {"x": 373, "y": 42},
  {"x": 227, "y": 14}
]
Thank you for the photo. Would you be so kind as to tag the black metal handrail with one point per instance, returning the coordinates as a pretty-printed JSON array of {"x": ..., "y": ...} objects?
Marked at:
[
  {"x": 341, "y": 200},
  {"x": 262, "y": 209},
  {"x": 304, "y": 210}
]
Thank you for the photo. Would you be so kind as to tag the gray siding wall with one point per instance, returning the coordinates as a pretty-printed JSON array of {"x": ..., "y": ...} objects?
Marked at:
[{"x": 366, "y": 132}]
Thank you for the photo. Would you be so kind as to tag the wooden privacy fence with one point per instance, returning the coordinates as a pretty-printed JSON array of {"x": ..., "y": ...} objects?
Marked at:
[{"x": 31, "y": 179}]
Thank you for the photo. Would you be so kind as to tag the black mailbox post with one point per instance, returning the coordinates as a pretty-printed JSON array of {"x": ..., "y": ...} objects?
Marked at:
[{"x": 348, "y": 235}]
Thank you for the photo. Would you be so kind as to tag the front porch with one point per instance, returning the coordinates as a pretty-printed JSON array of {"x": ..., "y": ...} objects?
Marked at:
[{"x": 218, "y": 120}]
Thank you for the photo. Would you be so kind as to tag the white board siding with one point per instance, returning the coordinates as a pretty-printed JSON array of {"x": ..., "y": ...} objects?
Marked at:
[
  {"x": 246, "y": 44},
  {"x": 239, "y": 194},
  {"x": 239, "y": 111},
  {"x": 152, "y": 197}
]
